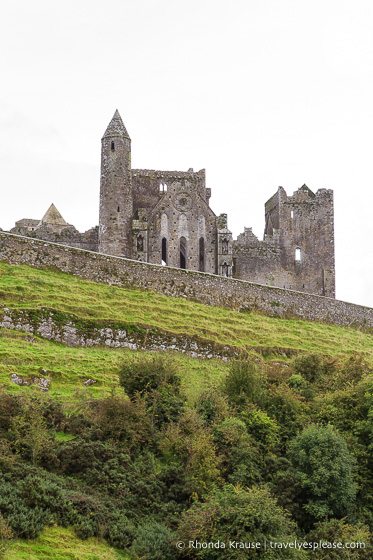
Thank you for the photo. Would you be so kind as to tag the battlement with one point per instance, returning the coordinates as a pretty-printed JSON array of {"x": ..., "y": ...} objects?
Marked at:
[{"x": 172, "y": 175}]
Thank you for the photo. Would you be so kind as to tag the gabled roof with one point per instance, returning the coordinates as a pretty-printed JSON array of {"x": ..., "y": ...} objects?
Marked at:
[
  {"x": 116, "y": 127},
  {"x": 52, "y": 216}
]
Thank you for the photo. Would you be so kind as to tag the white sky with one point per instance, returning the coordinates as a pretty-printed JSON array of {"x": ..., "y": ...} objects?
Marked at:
[{"x": 261, "y": 93}]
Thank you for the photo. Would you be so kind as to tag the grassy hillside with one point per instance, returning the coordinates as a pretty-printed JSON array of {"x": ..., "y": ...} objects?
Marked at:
[
  {"x": 140, "y": 460},
  {"x": 23, "y": 287},
  {"x": 69, "y": 367},
  {"x": 56, "y": 543}
]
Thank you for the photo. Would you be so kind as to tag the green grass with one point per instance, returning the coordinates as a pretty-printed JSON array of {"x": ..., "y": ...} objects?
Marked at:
[
  {"x": 23, "y": 287},
  {"x": 56, "y": 543},
  {"x": 69, "y": 367}
]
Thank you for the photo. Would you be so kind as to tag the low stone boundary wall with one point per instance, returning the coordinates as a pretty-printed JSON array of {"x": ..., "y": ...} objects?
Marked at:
[
  {"x": 48, "y": 324},
  {"x": 197, "y": 286}
]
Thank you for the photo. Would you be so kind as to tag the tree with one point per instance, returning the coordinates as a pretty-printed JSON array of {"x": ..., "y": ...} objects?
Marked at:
[
  {"x": 324, "y": 469},
  {"x": 29, "y": 432},
  {"x": 190, "y": 443}
]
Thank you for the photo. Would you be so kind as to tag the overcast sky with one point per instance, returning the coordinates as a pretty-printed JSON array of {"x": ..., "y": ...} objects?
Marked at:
[{"x": 261, "y": 93}]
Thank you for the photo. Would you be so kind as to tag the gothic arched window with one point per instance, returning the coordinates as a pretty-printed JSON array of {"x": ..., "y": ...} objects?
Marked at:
[{"x": 183, "y": 252}]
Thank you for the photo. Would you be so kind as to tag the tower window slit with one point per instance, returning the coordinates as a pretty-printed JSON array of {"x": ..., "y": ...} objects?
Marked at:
[{"x": 112, "y": 147}]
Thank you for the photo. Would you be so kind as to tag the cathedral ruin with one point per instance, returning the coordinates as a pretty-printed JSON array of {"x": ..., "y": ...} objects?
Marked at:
[{"x": 164, "y": 217}]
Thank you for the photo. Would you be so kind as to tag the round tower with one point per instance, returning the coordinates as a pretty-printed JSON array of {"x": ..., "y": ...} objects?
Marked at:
[{"x": 116, "y": 201}]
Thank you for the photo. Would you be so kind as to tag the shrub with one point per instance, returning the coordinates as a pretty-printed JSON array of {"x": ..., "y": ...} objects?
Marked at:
[
  {"x": 155, "y": 379},
  {"x": 122, "y": 421},
  {"x": 242, "y": 382},
  {"x": 313, "y": 367},
  {"x": 154, "y": 541},
  {"x": 6, "y": 535},
  {"x": 25, "y": 522},
  {"x": 262, "y": 427},
  {"x": 337, "y": 530},
  {"x": 149, "y": 373},
  {"x": 238, "y": 514},
  {"x": 212, "y": 406}
]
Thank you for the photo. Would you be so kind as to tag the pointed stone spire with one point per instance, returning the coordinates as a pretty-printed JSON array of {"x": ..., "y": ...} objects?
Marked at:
[
  {"x": 52, "y": 216},
  {"x": 116, "y": 127}
]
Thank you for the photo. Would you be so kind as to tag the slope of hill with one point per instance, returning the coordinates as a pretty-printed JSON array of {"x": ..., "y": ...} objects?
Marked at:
[
  {"x": 158, "y": 439},
  {"x": 25, "y": 288}
]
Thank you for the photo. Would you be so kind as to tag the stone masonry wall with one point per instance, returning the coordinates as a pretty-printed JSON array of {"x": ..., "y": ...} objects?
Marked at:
[
  {"x": 64, "y": 327},
  {"x": 204, "y": 288},
  {"x": 68, "y": 236}
]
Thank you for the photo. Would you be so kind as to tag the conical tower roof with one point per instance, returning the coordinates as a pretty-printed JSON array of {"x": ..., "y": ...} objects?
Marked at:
[
  {"x": 116, "y": 127},
  {"x": 52, "y": 216}
]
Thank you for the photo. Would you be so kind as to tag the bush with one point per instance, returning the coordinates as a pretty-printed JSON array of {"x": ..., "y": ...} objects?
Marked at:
[
  {"x": 242, "y": 383},
  {"x": 156, "y": 381},
  {"x": 10, "y": 406},
  {"x": 355, "y": 368},
  {"x": 25, "y": 522},
  {"x": 146, "y": 374},
  {"x": 261, "y": 427},
  {"x": 239, "y": 452},
  {"x": 313, "y": 367},
  {"x": 212, "y": 406},
  {"x": 238, "y": 514},
  {"x": 121, "y": 421},
  {"x": 154, "y": 541},
  {"x": 120, "y": 532},
  {"x": 337, "y": 530},
  {"x": 6, "y": 535}
]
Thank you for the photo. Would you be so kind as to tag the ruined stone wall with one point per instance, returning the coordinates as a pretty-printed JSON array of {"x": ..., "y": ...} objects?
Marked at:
[
  {"x": 149, "y": 185},
  {"x": 257, "y": 261},
  {"x": 204, "y": 288},
  {"x": 307, "y": 225},
  {"x": 297, "y": 251},
  {"x": 69, "y": 236}
]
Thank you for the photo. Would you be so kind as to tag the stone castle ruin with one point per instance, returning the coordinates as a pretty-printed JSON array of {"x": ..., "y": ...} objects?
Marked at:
[{"x": 164, "y": 217}]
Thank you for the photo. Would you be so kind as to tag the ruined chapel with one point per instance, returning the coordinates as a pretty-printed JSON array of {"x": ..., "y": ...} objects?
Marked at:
[{"x": 164, "y": 217}]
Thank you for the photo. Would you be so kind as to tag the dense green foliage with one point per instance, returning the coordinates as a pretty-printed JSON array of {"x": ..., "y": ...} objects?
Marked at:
[{"x": 258, "y": 458}]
